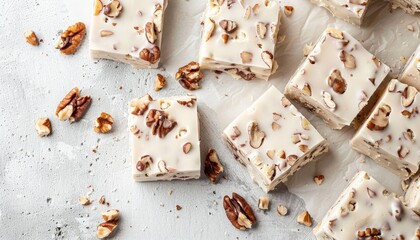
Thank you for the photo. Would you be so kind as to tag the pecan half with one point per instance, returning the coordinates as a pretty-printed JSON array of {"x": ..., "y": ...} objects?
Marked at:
[
  {"x": 189, "y": 76},
  {"x": 159, "y": 122},
  {"x": 71, "y": 38},
  {"x": 72, "y": 107},
  {"x": 150, "y": 55},
  {"x": 239, "y": 212},
  {"x": 212, "y": 166}
]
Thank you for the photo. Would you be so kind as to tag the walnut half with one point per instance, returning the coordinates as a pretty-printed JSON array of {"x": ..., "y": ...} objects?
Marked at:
[{"x": 103, "y": 123}]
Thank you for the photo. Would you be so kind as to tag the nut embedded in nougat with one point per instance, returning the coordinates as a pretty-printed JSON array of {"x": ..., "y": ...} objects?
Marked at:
[{"x": 212, "y": 166}]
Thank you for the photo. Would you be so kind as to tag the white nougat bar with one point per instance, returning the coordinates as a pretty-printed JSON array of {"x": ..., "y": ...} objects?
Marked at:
[
  {"x": 164, "y": 138},
  {"x": 409, "y": 6},
  {"x": 273, "y": 140},
  {"x": 239, "y": 37},
  {"x": 128, "y": 31},
  {"x": 352, "y": 11},
  {"x": 390, "y": 134},
  {"x": 366, "y": 210},
  {"x": 411, "y": 73},
  {"x": 337, "y": 79}
]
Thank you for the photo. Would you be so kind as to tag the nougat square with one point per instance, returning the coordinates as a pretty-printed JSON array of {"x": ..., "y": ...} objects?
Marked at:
[
  {"x": 337, "y": 79},
  {"x": 239, "y": 37},
  {"x": 390, "y": 134},
  {"x": 411, "y": 73},
  {"x": 164, "y": 138},
  {"x": 273, "y": 140},
  {"x": 352, "y": 11},
  {"x": 128, "y": 31},
  {"x": 366, "y": 210}
]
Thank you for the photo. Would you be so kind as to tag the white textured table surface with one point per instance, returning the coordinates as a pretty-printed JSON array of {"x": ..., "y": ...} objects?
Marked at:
[{"x": 41, "y": 179}]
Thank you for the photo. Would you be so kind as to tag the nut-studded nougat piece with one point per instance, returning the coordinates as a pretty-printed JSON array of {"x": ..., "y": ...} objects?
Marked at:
[
  {"x": 164, "y": 138},
  {"x": 409, "y": 6},
  {"x": 128, "y": 31},
  {"x": 366, "y": 210},
  {"x": 412, "y": 196},
  {"x": 352, "y": 11},
  {"x": 390, "y": 134},
  {"x": 239, "y": 37},
  {"x": 337, "y": 79},
  {"x": 273, "y": 140},
  {"x": 411, "y": 73}
]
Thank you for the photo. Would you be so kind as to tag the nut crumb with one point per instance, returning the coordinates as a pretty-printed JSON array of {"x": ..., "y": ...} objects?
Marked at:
[
  {"x": 31, "y": 38},
  {"x": 178, "y": 207},
  {"x": 282, "y": 210},
  {"x": 305, "y": 219},
  {"x": 263, "y": 203},
  {"x": 160, "y": 82},
  {"x": 319, "y": 179},
  {"x": 84, "y": 200},
  {"x": 43, "y": 126},
  {"x": 410, "y": 28}
]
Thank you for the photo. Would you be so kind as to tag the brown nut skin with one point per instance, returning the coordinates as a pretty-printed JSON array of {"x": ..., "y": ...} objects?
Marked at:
[
  {"x": 103, "y": 123},
  {"x": 150, "y": 55},
  {"x": 81, "y": 105},
  {"x": 71, "y": 38},
  {"x": 189, "y": 76},
  {"x": 212, "y": 166},
  {"x": 235, "y": 206},
  {"x": 69, "y": 98},
  {"x": 159, "y": 122}
]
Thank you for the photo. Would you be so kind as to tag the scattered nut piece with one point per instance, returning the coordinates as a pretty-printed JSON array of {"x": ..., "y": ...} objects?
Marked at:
[
  {"x": 105, "y": 229},
  {"x": 111, "y": 215},
  {"x": 84, "y": 200},
  {"x": 263, "y": 203},
  {"x": 305, "y": 219},
  {"x": 103, "y": 123},
  {"x": 212, "y": 166},
  {"x": 160, "y": 82},
  {"x": 71, "y": 38},
  {"x": 140, "y": 105},
  {"x": 189, "y": 76},
  {"x": 113, "y": 9},
  {"x": 72, "y": 107},
  {"x": 256, "y": 137},
  {"x": 282, "y": 210},
  {"x": 239, "y": 212},
  {"x": 101, "y": 200},
  {"x": 319, "y": 179},
  {"x": 31, "y": 38},
  {"x": 43, "y": 126},
  {"x": 288, "y": 10},
  {"x": 380, "y": 120}
]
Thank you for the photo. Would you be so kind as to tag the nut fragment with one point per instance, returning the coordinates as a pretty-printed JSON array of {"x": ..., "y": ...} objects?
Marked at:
[
  {"x": 269, "y": 171},
  {"x": 158, "y": 18},
  {"x": 359, "y": 2},
  {"x": 71, "y": 38},
  {"x": 267, "y": 57},
  {"x": 271, "y": 153},
  {"x": 282, "y": 210},
  {"x": 263, "y": 203},
  {"x": 408, "y": 95},
  {"x": 113, "y": 9},
  {"x": 228, "y": 26},
  {"x": 84, "y": 201},
  {"x": 152, "y": 56},
  {"x": 150, "y": 32},
  {"x": 304, "y": 123},
  {"x": 319, "y": 179},
  {"x": 307, "y": 89},
  {"x": 246, "y": 57},
  {"x": 304, "y": 148},
  {"x": 144, "y": 162},
  {"x": 288, "y": 10},
  {"x": 328, "y": 100},
  {"x": 239, "y": 212},
  {"x": 380, "y": 120},
  {"x": 160, "y": 82},
  {"x": 106, "y": 33},
  {"x": 189, "y": 76},
  {"x": 111, "y": 215},
  {"x": 105, "y": 229},
  {"x": 348, "y": 60},
  {"x": 72, "y": 107},
  {"x": 159, "y": 122},
  {"x": 97, "y": 7},
  {"x": 261, "y": 30},
  {"x": 210, "y": 26},
  {"x": 212, "y": 166},
  {"x": 285, "y": 102},
  {"x": 335, "y": 33},
  {"x": 256, "y": 137},
  {"x": 403, "y": 151},
  {"x": 43, "y": 126},
  {"x": 186, "y": 148},
  {"x": 104, "y": 123},
  {"x": 140, "y": 105},
  {"x": 275, "y": 126},
  {"x": 31, "y": 38},
  {"x": 305, "y": 219},
  {"x": 337, "y": 82}
]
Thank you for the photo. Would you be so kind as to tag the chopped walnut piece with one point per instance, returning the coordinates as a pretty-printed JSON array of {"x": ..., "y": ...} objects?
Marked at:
[
  {"x": 159, "y": 122},
  {"x": 228, "y": 25},
  {"x": 160, "y": 82},
  {"x": 140, "y": 105},
  {"x": 43, "y": 126},
  {"x": 84, "y": 201},
  {"x": 111, "y": 215},
  {"x": 105, "y": 229},
  {"x": 282, "y": 210},
  {"x": 305, "y": 219},
  {"x": 319, "y": 179},
  {"x": 150, "y": 55},
  {"x": 189, "y": 76},
  {"x": 212, "y": 166},
  {"x": 71, "y": 38},
  {"x": 263, "y": 203},
  {"x": 31, "y": 38},
  {"x": 103, "y": 123}
]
